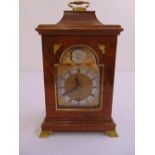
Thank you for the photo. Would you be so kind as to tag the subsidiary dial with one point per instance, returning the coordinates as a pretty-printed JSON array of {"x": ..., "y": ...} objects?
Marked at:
[{"x": 78, "y": 56}]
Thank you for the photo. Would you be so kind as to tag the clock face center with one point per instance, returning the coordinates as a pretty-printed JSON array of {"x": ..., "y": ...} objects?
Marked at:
[{"x": 78, "y": 86}]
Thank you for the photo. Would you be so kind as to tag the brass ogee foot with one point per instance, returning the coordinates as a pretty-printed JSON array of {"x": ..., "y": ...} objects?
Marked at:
[
  {"x": 45, "y": 134},
  {"x": 111, "y": 133}
]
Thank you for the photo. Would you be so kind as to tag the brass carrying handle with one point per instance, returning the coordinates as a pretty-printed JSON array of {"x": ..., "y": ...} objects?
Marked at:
[{"x": 76, "y": 5}]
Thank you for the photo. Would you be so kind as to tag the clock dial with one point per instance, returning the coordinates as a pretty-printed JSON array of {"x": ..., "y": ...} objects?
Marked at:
[{"x": 79, "y": 86}]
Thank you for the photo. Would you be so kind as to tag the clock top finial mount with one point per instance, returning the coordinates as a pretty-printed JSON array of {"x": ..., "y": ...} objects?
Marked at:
[{"x": 79, "y": 5}]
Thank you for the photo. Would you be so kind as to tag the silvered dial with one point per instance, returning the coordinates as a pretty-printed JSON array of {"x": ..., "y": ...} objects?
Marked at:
[
  {"x": 78, "y": 56},
  {"x": 78, "y": 86}
]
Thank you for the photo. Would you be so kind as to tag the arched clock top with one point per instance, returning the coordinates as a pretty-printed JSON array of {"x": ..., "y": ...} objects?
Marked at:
[{"x": 79, "y": 54}]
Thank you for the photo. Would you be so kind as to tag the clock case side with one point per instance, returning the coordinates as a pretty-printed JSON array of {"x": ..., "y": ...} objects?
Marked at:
[{"x": 95, "y": 33}]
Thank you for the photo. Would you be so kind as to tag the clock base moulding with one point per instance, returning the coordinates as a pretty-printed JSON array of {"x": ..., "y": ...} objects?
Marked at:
[
  {"x": 110, "y": 133},
  {"x": 49, "y": 127}
]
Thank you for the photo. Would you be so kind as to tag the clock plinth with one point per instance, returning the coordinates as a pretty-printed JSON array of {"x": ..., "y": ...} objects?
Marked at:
[
  {"x": 107, "y": 127},
  {"x": 79, "y": 56}
]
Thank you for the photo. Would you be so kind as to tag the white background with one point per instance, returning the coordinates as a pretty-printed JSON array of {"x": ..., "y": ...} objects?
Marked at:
[
  {"x": 34, "y": 12},
  {"x": 145, "y": 100},
  {"x": 32, "y": 107}
]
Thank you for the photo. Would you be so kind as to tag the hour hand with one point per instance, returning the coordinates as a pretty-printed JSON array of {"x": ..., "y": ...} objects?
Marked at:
[{"x": 77, "y": 82}]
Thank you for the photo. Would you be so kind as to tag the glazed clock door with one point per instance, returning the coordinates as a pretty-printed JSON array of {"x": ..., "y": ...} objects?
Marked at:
[{"x": 79, "y": 80}]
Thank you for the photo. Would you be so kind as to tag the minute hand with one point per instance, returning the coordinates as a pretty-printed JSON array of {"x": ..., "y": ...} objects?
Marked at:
[
  {"x": 77, "y": 86},
  {"x": 70, "y": 91},
  {"x": 77, "y": 82}
]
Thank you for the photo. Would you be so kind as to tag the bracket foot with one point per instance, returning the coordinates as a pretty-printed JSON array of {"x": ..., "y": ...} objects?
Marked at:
[
  {"x": 45, "y": 134},
  {"x": 111, "y": 133}
]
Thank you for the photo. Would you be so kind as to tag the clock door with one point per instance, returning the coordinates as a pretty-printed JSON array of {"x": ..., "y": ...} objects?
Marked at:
[{"x": 79, "y": 80}]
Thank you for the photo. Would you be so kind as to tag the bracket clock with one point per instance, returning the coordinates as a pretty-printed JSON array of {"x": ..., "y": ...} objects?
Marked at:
[{"x": 79, "y": 64}]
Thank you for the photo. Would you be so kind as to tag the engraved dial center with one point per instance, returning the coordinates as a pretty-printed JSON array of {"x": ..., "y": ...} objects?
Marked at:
[{"x": 78, "y": 86}]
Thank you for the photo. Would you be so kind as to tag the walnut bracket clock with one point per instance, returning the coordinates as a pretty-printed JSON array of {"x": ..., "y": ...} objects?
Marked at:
[{"x": 79, "y": 63}]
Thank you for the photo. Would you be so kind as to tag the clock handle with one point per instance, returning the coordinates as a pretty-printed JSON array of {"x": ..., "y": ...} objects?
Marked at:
[{"x": 76, "y": 5}]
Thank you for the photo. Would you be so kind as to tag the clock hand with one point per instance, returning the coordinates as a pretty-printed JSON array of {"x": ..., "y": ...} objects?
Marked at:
[
  {"x": 77, "y": 86},
  {"x": 77, "y": 82},
  {"x": 69, "y": 91}
]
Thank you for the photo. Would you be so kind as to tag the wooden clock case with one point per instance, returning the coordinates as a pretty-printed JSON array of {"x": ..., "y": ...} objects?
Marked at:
[{"x": 78, "y": 28}]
